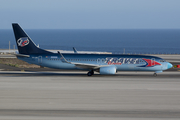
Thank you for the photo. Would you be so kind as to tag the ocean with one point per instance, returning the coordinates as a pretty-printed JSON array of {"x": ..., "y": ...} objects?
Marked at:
[{"x": 140, "y": 41}]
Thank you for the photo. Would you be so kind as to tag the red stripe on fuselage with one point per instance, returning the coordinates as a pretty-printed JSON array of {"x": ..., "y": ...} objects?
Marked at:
[{"x": 151, "y": 63}]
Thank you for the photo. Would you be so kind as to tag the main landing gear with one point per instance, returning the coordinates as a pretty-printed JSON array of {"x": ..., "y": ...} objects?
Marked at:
[{"x": 90, "y": 73}]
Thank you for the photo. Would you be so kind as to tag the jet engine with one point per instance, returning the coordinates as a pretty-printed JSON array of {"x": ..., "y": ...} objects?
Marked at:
[{"x": 107, "y": 70}]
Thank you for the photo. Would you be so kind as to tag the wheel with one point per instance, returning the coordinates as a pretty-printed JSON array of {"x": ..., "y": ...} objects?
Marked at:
[
  {"x": 89, "y": 74},
  {"x": 155, "y": 74}
]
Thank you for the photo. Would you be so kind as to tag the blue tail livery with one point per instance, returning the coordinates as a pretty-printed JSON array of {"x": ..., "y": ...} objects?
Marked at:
[
  {"x": 101, "y": 63},
  {"x": 24, "y": 43}
]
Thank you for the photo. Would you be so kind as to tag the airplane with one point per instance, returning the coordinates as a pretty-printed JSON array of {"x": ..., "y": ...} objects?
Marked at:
[{"x": 107, "y": 64}]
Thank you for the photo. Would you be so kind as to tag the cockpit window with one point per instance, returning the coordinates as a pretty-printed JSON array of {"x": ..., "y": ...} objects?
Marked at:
[{"x": 162, "y": 60}]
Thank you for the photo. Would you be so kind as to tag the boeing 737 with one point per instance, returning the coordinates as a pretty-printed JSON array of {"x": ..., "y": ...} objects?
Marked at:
[{"x": 101, "y": 63}]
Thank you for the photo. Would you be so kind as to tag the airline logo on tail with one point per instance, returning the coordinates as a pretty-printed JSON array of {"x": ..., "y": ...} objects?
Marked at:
[{"x": 23, "y": 41}]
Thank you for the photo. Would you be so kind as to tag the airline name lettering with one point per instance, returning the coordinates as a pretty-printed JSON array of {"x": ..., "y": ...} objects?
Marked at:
[{"x": 116, "y": 61}]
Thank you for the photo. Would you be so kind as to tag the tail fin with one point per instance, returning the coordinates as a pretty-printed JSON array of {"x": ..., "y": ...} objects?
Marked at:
[{"x": 24, "y": 43}]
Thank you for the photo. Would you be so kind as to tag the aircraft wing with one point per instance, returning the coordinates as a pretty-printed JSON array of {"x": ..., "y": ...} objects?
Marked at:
[{"x": 81, "y": 65}]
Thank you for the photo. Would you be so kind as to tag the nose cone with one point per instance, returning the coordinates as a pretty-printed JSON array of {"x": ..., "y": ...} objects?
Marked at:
[{"x": 169, "y": 65}]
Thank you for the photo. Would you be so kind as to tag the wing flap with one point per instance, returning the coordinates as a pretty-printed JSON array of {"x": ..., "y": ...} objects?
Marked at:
[{"x": 88, "y": 66}]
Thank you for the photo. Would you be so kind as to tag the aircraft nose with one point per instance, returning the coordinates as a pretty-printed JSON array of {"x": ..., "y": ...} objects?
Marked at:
[{"x": 169, "y": 65}]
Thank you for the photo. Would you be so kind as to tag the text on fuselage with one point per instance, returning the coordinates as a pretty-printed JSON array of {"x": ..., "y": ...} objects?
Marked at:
[{"x": 119, "y": 61}]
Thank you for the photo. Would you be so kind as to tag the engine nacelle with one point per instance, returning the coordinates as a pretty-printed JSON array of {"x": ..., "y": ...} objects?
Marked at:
[{"x": 107, "y": 70}]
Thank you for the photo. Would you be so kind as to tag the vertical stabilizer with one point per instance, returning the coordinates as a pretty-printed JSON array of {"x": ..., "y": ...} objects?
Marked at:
[{"x": 24, "y": 43}]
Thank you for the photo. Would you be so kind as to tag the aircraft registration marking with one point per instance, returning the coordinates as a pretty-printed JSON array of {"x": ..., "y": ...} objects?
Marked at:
[{"x": 54, "y": 57}]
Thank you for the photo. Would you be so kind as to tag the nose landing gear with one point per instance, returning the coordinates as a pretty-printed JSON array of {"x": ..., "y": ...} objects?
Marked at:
[{"x": 155, "y": 74}]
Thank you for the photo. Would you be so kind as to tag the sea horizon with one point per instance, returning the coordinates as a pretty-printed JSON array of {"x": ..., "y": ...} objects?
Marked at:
[{"x": 103, "y": 40}]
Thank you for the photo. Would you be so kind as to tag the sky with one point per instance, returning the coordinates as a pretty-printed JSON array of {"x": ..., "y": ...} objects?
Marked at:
[{"x": 90, "y": 14}]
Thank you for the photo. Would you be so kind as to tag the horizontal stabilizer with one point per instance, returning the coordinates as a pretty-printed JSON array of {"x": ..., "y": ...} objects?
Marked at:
[{"x": 21, "y": 55}]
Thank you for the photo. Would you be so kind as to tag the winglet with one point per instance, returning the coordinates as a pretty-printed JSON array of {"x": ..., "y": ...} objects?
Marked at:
[
  {"x": 75, "y": 51},
  {"x": 63, "y": 59}
]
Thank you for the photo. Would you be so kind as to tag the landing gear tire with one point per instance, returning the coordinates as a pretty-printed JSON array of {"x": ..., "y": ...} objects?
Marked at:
[
  {"x": 90, "y": 73},
  {"x": 155, "y": 74}
]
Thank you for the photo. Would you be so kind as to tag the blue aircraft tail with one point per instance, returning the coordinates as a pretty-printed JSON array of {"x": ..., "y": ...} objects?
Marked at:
[{"x": 24, "y": 43}]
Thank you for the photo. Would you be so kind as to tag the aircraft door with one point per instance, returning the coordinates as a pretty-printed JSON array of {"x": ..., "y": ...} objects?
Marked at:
[
  {"x": 103, "y": 61},
  {"x": 164, "y": 66},
  {"x": 99, "y": 61},
  {"x": 152, "y": 61},
  {"x": 39, "y": 59}
]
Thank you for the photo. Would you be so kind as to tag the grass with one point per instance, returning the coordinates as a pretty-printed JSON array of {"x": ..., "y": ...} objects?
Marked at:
[
  {"x": 14, "y": 62},
  {"x": 13, "y": 65}
]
